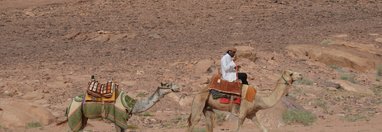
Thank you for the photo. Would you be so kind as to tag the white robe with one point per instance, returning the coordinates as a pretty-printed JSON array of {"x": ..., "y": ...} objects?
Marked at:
[{"x": 227, "y": 67}]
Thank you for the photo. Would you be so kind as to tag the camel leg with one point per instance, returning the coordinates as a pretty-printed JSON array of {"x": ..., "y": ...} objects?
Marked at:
[
  {"x": 119, "y": 129},
  {"x": 256, "y": 121},
  {"x": 243, "y": 114},
  {"x": 210, "y": 120},
  {"x": 84, "y": 122},
  {"x": 240, "y": 120},
  {"x": 197, "y": 108}
]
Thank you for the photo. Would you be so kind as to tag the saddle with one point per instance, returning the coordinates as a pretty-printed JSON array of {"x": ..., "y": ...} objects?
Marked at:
[
  {"x": 228, "y": 89},
  {"x": 224, "y": 86},
  {"x": 101, "y": 92}
]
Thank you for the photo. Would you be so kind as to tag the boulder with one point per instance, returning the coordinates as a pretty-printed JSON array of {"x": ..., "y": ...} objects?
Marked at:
[
  {"x": 361, "y": 60},
  {"x": 348, "y": 86},
  {"x": 21, "y": 113},
  {"x": 247, "y": 52}
]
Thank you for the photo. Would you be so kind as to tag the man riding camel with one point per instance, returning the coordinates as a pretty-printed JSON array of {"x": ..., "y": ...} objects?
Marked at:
[{"x": 229, "y": 69}]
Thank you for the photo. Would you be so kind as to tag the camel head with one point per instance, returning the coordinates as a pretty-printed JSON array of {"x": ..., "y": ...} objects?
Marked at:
[
  {"x": 288, "y": 77},
  {"x": 166, "y": 88}
]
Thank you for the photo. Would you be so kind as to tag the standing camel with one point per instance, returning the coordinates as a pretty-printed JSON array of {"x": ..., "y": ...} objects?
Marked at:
[
  {"x": 204, "y": 103},
  {"x": 118, "y": 112}
]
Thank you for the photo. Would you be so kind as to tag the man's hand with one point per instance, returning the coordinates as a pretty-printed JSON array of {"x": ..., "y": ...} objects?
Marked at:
[
  {"x": 238, "y": 67},
  {"x": 234, "y": 58}
]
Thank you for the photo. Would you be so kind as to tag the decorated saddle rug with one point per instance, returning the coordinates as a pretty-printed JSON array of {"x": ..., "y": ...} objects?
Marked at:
[
  {"x": 118, "y": 112},
  {"x": 221, "y": 85}
]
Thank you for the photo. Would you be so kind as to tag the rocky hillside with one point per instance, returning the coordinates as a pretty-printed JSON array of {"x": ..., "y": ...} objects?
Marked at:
[{"x": 49, "y": 50}]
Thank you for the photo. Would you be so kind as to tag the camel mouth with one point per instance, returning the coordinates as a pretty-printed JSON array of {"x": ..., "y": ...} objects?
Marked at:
[{"x": 175, "y": 89}]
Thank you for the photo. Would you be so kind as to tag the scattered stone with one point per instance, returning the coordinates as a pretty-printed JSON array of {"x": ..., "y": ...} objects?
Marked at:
[
  {"x": 204, "y": 66},
  {"x": 378, "y": 40},
  {"x": 155, "y": 36},
  {"x": 72, "y": 35},
  {"x": 341, "y": 36},
  {"x": 332, "y": 88},
  {"x": 29, "y": 13},
  {"x": 32, "y": 95}
]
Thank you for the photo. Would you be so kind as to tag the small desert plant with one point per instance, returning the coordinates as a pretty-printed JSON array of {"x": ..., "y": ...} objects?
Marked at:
[
  {"x": 379, "y": 70},
  {"x": 133, "y": 127},
  {"x": 147, "y": 114},
  {"x": 379, "y": 73},
  {"x": 141, "y": 94},
  {"x": 199, "y": 130},
  {"x": 33, "y": 125},
  {"x": 326, "y": 42},
  {"x": 349, "y": 77},
  {"x": 322, "y": 104},
  {"x": 299, "y": 116},
  {"x": 377, "y": 89},
  {"x": 337, "y": 68},
  {"x": 355, "y": 117}
]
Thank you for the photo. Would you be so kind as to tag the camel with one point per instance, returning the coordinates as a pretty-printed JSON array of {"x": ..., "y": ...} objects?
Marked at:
[
  {"x": 204, "y": 103},
  {"x": 118, "y": 112}
]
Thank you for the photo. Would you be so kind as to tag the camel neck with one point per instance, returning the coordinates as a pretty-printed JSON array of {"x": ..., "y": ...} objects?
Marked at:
[
  {"x": 277, "y": 94},
  {"x": 147, "y": 103}
]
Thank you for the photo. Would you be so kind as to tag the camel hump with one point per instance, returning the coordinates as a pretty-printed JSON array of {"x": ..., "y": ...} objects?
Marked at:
[{"x": 224, "y": 86}]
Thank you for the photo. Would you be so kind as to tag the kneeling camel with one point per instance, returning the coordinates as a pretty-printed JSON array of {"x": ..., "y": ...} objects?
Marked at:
[{"x": 118, "y": 112}]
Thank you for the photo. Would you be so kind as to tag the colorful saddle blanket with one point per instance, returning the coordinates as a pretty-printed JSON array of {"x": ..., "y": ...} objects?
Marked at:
[
  {"x": 248, "y": 93},
  {"x": 221, "y": 85}
]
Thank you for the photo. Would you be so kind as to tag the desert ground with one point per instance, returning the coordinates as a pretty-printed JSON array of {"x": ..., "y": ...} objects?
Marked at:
[{"x": 49, "y": 50}]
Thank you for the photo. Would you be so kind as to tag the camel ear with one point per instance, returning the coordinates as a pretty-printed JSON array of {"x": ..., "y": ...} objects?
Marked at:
[
  {"x": 291, "y": 74},
  {"x": 161, "y": 84}
]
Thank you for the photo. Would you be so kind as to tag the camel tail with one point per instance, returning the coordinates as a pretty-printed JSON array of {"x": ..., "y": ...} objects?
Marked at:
[
  {"x": 189, "y": 120},
  {"x": 62, "y": 122}
]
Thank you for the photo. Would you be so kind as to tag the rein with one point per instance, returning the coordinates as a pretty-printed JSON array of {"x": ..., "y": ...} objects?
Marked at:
[{"x": 285, "y": 81}]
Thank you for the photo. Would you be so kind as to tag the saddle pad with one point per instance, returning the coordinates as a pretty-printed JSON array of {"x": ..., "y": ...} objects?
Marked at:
[
  {"x": 91, "y": 98},
  {"x": 249, "y": 92},
  {"x": 224, "y": 86}
]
